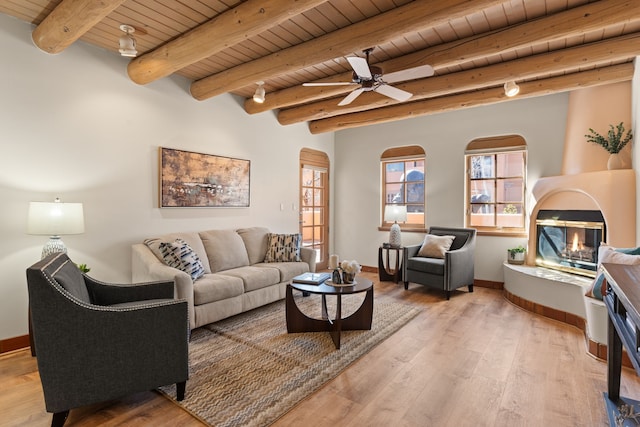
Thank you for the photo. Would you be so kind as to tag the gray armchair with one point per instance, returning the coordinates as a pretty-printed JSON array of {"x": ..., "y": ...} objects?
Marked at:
[
  {"x": 455, "y": 270},
  {"x": 96, "y": 341}
]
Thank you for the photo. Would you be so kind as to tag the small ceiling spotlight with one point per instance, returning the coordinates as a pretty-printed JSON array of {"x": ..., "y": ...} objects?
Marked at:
[
  {"x": 511, "y": 89},
  {"x": 258, "y": 96},
  {"x": 127, "y": 41}
]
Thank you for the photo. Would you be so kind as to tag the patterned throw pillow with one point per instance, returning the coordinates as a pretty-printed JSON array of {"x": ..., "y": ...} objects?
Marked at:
[
  {"x": 283, "y": 248},
  {"x": 179, "y": 255}
]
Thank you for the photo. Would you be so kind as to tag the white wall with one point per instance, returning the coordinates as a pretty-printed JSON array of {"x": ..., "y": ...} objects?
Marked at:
[
  {"x": 541, "y": 121},
  {"x": 74, "y": 126}
]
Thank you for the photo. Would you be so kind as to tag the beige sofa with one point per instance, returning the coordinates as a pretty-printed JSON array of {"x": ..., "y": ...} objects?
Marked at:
[{"x": 236, "y": 278}]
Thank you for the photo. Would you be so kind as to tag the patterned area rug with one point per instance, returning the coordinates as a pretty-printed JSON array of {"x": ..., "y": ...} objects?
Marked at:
[{"x": 247, "y": 370}]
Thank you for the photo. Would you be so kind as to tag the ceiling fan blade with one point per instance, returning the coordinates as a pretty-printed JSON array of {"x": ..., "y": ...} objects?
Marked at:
[
  {"x": 351, "y": 97},
  {"x": 360, "y": 66},
  {"x": 330, "y": 84},
  {"x": 409, "y": 74},
  {"x": 393, "y": 92}
]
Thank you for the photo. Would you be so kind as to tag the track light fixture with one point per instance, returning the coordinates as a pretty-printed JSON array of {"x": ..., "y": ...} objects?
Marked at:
[
  {"x": 511, "y": 89},
  {"x": 258, "y": 96},
  {"x": 127, "y": 41}
]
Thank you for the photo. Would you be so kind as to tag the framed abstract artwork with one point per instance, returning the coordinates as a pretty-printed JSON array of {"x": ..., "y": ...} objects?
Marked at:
[{"x": 189, "y": 179}]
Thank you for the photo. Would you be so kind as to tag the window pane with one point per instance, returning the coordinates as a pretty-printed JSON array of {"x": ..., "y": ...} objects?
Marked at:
[
  {"x": 482, "y": 216},
  {"x": 482, "y": 167},
  {"x": 317, "y": 178},
  {"x": 510, "y": 190},
  {"x": 394, "y": 193},
  {"x": 482, "y": 191},
  {"x": 510, "y": 164},
  {"x": 415, "y": 192},
  {"x": 318, "y": 216},
  {"x": 306, "y": 197},
  {"x": 307, "y": 177},
  {"x": 307, "y": 216},
  {"x": 510, "y": 215},
  {"x": 317, "y": 197}
]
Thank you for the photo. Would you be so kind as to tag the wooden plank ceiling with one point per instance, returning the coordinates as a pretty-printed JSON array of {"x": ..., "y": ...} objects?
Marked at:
[{"x": 474, "y": 46}]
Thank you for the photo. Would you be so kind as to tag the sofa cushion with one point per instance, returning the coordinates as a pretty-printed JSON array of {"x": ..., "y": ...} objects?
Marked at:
[
  {"x": 435, "y": 246},
  {"x": 192, "y": 239},
  {"x": 180, "y": 255},
  {"x": 283, "y": 248},
  {"x": 606, "y": 253},
  {"x": 254, "y": 277},
  {"x": 255, "y": 240},
  {"x": 225, "y": 249},
  {"x": 216, "y": 287},
  {"x": 71, "y": 279},
  {"x": 427, "y": 265},
  {"x": 287, "y": 270}
]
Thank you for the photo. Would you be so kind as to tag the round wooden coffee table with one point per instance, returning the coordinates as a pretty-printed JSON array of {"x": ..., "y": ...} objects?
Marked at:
[{"x": 361, "y": 319}]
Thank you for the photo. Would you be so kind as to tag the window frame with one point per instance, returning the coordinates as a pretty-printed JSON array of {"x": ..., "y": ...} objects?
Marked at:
[
  {"x": 396, "y": 155},
  {"x": 495, "y": 146}
]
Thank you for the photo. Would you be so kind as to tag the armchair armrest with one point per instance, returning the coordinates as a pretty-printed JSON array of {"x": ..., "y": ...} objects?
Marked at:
[{"x": 108, "y": 293}]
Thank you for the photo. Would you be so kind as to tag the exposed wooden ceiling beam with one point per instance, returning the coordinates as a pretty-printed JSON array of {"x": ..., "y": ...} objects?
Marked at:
[
  {"x": 69, "y": 21},
  {"x": 570, "y": 23},
  {"x": 617, "y": 49},
  {"x": 380, "y": 29},
  {"x": 229, "y": 28},
  {"x": 579, "y": 80}
]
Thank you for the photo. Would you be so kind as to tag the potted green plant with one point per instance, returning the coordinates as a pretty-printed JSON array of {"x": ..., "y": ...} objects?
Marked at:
[
  {"x": 516, "y": 255},
  {"x": 83, "y": 268},
  {"x": 613, "y": 142}
]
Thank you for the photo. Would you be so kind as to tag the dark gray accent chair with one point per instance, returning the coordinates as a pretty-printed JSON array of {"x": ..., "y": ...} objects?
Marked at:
[
  {"x": 96, "y": 341},
  {"x": 448, "y": 274}
]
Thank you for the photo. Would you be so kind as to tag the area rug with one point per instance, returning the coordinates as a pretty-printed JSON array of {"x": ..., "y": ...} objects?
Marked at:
[{"x": 247, "y": 370}]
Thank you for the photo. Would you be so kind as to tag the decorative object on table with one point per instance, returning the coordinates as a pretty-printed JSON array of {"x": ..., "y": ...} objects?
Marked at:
[
  {"x": 336, "y": 277},
  {"x": 349, "y": 270},
  {"x": 83, "y": 268},
  {"x": 516, "y": 255},
  {"x": 247, "y": 370},
  {"x": 333, "y": 261},
  {"x": 190, "y": 179},
  {"x": 55, "y": 219},
  {"x": 613, "y": 142},
  {"x": 312, "y": 278},
  {"x": 395, "y": 213}
]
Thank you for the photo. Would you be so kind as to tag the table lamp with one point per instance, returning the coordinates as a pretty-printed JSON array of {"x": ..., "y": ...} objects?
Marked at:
[
  {"x": 395, "y": 213},
  {"x": 55, "y": 219}
]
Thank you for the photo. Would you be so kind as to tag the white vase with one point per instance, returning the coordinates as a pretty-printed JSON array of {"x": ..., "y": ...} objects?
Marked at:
[{"x": 615, "y": 162}]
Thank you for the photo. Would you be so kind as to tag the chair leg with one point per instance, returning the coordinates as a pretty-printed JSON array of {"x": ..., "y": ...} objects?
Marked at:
[
  {"x": 448, "y": 294},
  {"x": 59, "y": 418},
  {"x": 406, "y": 285},
  {"x": 470, "y": 288},
  {"x": 180, "y": 389}
]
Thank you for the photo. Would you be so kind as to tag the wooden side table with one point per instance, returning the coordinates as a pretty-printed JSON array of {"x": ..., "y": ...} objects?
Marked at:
[{"x": 385, "y": 272}]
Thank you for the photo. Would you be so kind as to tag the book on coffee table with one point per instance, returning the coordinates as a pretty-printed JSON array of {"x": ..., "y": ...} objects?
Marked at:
[{"x": 311, "y": 278}]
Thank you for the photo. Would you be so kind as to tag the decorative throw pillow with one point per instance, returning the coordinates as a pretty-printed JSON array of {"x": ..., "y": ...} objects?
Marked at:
[
  {"x": 435, "y": 246},
  {"x": 283, "y": 248},
  {"x": 606, "y": 253},
  {"x": 179, "y": 255}
]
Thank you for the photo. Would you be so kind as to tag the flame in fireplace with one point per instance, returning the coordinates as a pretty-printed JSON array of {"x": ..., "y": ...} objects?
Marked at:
[{"x": 576, "y": 242}]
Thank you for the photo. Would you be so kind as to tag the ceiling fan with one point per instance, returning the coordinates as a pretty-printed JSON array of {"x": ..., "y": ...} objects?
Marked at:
[{"x": 370, "y": 78}]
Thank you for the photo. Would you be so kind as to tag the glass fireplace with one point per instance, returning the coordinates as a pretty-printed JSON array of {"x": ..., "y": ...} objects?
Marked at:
[{"x": 568, "y": 240}]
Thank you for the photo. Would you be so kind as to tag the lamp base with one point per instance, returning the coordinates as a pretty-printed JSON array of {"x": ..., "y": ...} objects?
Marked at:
[
  {"x": 54, "y": 245},
  {"x": 395, "y": 239}
]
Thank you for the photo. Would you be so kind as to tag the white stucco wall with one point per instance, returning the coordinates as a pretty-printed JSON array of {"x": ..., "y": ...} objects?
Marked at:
[
  {"x": 74, "y": 126},
  {"x": 541, "y": 121}
]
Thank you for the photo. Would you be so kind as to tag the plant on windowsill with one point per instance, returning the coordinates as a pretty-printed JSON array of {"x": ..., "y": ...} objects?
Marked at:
[
  {"x": 83, "y": 268},
  {"x": 516, "y": 255},
  {"x": 613, "y": 142},
  {"x": 510, "y": 209}
]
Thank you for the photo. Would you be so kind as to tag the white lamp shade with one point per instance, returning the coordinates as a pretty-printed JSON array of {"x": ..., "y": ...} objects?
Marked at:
[
  {"x": 55, "y": 218},
  {"x": 395, "y": 213}
]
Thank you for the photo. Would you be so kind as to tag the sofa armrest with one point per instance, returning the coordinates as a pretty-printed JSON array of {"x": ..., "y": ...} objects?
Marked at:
[
  {"x": 308, "y": 255},
  {"x": 146, "y": 267}
]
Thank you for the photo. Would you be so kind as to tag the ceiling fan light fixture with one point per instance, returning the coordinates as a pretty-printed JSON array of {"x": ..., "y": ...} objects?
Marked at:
[
  {"x": 259, "y": 94},
  {"x": 511, "y": 89},
  {"x": 127, "y": 41}
]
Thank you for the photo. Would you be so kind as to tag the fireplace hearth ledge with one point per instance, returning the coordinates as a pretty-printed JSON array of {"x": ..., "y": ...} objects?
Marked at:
[{"x": 560, "y": 291}]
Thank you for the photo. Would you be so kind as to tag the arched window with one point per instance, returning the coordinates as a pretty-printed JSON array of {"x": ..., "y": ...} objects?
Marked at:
[
  {"x": 495, "y": 186},
  {"x": 403, "y": 185}
]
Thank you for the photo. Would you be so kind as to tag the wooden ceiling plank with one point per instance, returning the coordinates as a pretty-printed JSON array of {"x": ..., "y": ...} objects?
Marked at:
[
  {"x": 229, "y": 28},
  {"x": 69, "y": 21},
  {"x": 587, "y": 18},
  {"x": 377, "y": 30},
  {"x": 595, "y": 54},
  {"x": 597, "y": 77}
]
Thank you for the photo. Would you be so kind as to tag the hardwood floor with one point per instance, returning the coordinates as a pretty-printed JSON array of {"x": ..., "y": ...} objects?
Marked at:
[{"x": 475, "y": 360}]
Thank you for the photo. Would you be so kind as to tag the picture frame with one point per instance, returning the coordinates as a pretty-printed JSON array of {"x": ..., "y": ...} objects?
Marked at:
[{"x": 191, "y": 179}]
